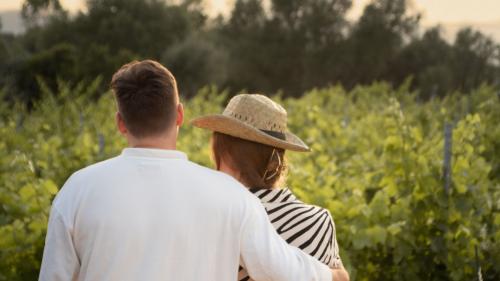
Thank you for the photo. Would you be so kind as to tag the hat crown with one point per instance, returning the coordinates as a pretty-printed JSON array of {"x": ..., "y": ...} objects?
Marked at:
[{"x": 258, "y": 111}]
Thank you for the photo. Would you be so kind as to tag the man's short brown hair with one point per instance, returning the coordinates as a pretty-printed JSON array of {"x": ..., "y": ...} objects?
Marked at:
[{"x": 147, "y": 97}]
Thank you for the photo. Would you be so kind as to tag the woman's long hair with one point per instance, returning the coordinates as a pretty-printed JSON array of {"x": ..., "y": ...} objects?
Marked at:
[{"x": 258, "y": 165}]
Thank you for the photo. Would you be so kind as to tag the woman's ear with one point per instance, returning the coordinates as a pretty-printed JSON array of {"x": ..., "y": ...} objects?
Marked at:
[
  {"x": 120, "y": 124},
  {"x": 180, "y": 115}
]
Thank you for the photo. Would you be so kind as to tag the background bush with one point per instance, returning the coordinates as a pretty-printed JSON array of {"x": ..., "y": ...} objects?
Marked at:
[{"x": 377, "y": 165}]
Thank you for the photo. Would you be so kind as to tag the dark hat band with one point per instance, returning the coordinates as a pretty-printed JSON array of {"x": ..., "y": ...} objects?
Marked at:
[{"x": 275, "y": 134}]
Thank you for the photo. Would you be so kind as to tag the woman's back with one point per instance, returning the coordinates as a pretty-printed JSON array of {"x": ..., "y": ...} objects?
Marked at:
[
  {"x": 308, "y": 227},
  {"x": 249, "y": 143}
]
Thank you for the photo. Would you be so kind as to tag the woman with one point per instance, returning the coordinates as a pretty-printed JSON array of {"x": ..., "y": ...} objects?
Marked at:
[{"x": 249, "y": 142}]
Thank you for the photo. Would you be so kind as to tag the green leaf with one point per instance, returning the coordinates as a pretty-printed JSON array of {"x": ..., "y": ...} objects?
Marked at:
[
  {"x": 27, "y": 192},
  {"x": 50, "y": 187},
  {"x": 377, "y": 234}
]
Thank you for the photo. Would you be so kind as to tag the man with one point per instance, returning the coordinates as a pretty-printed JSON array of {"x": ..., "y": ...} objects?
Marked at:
[{"x": 150, "y": 214}]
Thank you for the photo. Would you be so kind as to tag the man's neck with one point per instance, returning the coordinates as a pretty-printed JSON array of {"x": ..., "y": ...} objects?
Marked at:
[
  {"x": 154, "y": 146},
  {"x": 161, "y": 142}
]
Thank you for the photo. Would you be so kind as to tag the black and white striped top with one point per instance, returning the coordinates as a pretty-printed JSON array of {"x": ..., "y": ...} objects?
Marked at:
[{"x": 308, "y": 227}]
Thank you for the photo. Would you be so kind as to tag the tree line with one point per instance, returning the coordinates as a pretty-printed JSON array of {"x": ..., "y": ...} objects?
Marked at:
[{"x": 289, "y": 47}]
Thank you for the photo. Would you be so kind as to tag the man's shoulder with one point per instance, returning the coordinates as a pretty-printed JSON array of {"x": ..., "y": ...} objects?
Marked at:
[
  {"x": 95, "y": 168},
  {"x": 80, "y": 177},
  {"x": 211, "y": 173},
  {"x": 216, "y": 178},
  {"x": 224, "y": 186}
]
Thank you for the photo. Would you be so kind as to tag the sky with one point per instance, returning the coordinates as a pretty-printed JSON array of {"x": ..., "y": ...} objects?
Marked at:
[
  {"x": 448, "y": 11},
  {"x": 434, "y": 11}
]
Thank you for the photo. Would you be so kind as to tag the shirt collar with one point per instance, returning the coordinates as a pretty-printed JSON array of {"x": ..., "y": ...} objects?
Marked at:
[
  {"x": 275, "y": 195},
  {"x": 154, "y": 153}
]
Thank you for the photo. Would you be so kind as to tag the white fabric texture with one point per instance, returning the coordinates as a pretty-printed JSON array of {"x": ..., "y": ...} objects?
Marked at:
[{"x": 151, "y": 214}]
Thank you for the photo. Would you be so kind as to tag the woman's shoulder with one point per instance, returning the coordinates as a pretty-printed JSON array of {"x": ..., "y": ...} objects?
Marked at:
[
  {"x": 305, "y": 226},
  {"x": 284, "y": 200},
  {"x": 286, "y": 211}
]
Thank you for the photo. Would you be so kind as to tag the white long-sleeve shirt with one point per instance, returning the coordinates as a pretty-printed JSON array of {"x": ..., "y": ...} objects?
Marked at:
[{"x": 153, "y": 215}]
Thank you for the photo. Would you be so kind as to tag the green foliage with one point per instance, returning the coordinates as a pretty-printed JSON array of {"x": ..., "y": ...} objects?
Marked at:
[
  {"x": 377, "y": 165},
  {"x": 39, "y": 150}
]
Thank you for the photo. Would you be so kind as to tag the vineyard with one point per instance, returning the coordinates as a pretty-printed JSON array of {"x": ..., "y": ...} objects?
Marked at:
[{"x": 413, "y": 186}]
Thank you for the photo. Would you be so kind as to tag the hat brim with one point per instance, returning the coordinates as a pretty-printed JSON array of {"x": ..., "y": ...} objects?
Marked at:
[{"x": 231, "y": 126}]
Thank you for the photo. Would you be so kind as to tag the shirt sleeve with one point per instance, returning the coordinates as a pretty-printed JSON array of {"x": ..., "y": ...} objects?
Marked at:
[
  {"x": 334, "y": 260},
  {"x": 60, "y": 261},
  {"x": 267, "y": 256}
]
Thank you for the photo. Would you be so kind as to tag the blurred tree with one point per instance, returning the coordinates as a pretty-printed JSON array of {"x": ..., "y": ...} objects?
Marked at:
[
  {"x": 143, "y": 27},
  {"x": 11, "y": 52},
  {"x": 106, "y": 35},
  {"x": 33, "y": 11},
  {"x": 475, "y": 59},
  {"x": 440, "y": 68},
  {"x": 31, "y": 7},
  {"x": 3, "y": 47},
  {"x": 196, "y": 62},
  {"x": 57, "y": 62},
  {"x": 428, "y": 60},
  {"x": 245, "y": 38},
  {"x": 291, "y": 48},
  {"x": 377, "y": 38},
  {"x": 309, "y": 33}
]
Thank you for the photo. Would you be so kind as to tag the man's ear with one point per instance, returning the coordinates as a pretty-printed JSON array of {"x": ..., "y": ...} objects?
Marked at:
[
  {"x": 120, "y": 124},
  {"x": 180, "y": 115}
]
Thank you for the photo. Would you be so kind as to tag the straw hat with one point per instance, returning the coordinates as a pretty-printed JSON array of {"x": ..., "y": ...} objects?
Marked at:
[{"x": 255, "y": 118}]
